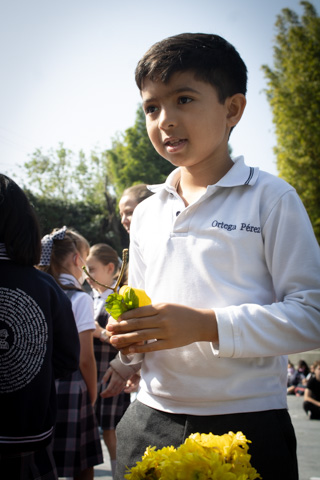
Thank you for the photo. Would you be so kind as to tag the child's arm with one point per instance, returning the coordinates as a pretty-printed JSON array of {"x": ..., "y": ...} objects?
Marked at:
[
  {"x": 88, "y": 366},
  {"x": 66, "y": 345},
  {"x": 115, "y": 384},
  {"x": 117, "y": 374},
  {"x": 170, "y": 325},
  {"x": 309, "y": 398}
]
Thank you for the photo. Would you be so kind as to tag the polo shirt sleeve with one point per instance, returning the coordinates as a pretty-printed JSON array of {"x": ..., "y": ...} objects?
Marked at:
[
  {"x": 291, "y": 323},
  {"x": 82, "y": 306}
]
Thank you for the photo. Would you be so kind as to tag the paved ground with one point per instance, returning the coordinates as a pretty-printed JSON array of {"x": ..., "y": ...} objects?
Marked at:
[{"x": 308, "y": 438}]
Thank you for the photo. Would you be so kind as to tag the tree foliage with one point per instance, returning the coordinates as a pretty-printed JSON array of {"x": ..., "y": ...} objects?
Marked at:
[
  {"x": 73, "y": 191},
  {"x": 89, "y": 219},
  {"x": 132, "y": 158},
  {"x": 294, "y": 95},
  {"x": 60, "y": 174}
]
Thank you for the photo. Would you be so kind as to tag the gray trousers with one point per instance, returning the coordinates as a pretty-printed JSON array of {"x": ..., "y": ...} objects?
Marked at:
[{"x": 273, "y": 447}]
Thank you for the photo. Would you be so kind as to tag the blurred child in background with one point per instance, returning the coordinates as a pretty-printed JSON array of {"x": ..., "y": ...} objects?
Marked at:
[
  {"x": 130, "y": 198},
  {"x": 77, "y": 446},
  {"x": 311, "y": 402},
  {"x": 102, "y": 264}
]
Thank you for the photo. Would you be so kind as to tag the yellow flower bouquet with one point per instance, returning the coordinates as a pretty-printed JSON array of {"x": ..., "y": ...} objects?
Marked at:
[{"x": 200, "y": 457}]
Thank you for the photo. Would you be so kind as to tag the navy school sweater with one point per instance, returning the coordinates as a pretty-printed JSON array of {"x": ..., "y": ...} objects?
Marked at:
[{"x": 39, "y": 342}]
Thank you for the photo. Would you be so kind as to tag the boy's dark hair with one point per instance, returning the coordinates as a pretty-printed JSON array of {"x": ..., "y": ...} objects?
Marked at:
[
  {"x": 19, "y": 226},
  {"x": 210, "y": 57}
]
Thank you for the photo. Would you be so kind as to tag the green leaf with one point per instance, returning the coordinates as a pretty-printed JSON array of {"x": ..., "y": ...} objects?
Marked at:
[
  {"x": 131, "y": 299},
  {"x": 117, "y": 304}
]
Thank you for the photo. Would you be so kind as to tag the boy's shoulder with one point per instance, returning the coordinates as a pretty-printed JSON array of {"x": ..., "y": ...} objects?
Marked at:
[
  {"x": 245, "y": 175},
  {"x": 272, "y": 184}
]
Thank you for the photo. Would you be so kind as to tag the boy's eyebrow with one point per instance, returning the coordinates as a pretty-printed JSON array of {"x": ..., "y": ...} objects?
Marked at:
[{"x": 182, "y": 89}]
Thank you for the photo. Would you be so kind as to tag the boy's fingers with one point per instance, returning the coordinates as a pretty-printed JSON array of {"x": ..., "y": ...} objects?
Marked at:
[
  {"x": 131, "y": 325},
  {"x": 141, "y": 312},
  {"x": 137, "y": 337}
]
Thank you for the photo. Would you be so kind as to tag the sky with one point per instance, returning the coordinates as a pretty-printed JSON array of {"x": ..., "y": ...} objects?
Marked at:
[{"x": 67, "y": 70}]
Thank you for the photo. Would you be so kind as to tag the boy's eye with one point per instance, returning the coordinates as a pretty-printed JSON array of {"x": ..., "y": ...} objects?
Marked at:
[
  {"x": 150, "y": 109},
  {"x": 183, "y": 100}
]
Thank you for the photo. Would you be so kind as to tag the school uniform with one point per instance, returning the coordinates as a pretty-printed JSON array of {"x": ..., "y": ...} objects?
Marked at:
[
  {"x": 38, "y": 343},
  {"x": 108, "y": 410},
  {"x": 245, "y": 249},
  {"x": 77, "y": 444}
]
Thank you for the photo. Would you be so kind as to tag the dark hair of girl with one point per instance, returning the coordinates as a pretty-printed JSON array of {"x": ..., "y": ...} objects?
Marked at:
[{"x": 19, "y": 226}]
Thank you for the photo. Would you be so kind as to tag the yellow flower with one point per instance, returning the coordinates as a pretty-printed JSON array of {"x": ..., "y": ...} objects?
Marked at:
[
  {"x": 141, "y": 294},
  {"x": 200, "y": 457}
]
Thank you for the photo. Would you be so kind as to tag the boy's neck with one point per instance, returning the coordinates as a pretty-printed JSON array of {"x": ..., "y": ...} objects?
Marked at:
[{"x": 194, "y": 182}]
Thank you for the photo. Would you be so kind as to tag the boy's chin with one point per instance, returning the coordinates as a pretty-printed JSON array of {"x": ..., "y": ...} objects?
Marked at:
[{"x": 175, "y": 161}]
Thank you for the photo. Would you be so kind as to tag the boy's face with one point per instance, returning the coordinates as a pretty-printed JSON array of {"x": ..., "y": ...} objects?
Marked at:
[{"x": 185, "y": 121}]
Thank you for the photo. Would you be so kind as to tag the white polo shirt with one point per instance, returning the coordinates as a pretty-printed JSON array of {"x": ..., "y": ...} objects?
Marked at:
[
  {"x": 247, "y": 250},
  {"x": 82, "y": 305}
]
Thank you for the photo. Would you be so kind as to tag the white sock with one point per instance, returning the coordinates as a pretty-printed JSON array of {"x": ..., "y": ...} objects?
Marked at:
[{"x": 113, "y": 467}]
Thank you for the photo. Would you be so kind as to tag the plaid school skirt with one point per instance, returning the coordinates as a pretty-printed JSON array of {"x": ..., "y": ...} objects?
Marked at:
[
  {"x": 35, "y": 465},
  {"x": 109, "y": 411},
  {"x": 76, "y": 443}
]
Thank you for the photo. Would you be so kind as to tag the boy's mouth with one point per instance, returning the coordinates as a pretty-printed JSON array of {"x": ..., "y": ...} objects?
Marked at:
[{"x": 173, "y": 144}]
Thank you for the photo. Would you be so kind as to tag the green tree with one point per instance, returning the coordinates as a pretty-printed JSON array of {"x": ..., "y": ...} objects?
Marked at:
[
  {"x": 88, "y": 219},
  {"x": 58, "y": 173},
  {"x": 73, "y": 191},
  {"x": 294, "y": 95},
  {"x": 132, "y": 158}
]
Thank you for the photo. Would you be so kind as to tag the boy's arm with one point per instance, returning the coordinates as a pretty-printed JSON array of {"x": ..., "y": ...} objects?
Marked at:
[{"x": 292, "y": 323}]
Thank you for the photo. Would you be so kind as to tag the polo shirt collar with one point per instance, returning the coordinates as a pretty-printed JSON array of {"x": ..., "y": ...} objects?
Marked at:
[{"x": 239, "y": 174}]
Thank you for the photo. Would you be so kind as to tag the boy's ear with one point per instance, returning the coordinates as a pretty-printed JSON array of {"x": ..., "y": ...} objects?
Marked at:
[{"x": 236, "y": 105}]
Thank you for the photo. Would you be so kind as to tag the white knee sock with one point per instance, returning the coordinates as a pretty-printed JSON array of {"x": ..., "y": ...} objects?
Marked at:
[{"x": 113, "y": 467}]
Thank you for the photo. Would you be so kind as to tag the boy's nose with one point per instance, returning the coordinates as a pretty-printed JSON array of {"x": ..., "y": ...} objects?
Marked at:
[{"x": 166, "y": 119}]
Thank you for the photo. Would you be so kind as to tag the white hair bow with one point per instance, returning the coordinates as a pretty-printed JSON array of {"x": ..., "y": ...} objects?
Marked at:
[{"x": 47, "y": 244}]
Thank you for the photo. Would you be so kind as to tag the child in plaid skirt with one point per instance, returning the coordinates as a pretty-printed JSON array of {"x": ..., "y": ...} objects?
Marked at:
[
  {"x": 102, "y": 264},
  {"x": 77, "y": 446}
]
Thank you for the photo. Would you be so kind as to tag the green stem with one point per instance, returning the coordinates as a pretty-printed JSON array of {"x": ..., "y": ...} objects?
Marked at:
[{"x": 125, "y": 254}]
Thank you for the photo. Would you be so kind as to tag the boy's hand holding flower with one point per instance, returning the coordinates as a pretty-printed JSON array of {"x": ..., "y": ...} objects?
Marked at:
[{"x": 162, "y": 326}]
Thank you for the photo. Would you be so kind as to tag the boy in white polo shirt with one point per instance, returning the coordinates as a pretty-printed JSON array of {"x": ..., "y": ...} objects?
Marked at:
[{"x": 229, "y": 258}]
